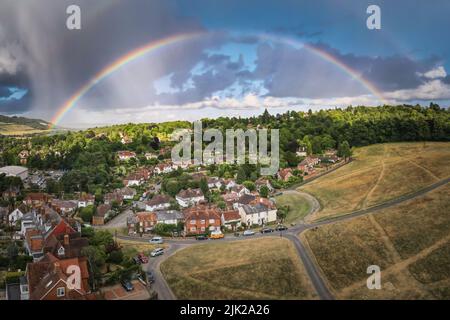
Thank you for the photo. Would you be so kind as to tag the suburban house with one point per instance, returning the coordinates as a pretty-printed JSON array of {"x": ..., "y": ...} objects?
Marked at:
[
  {"x": 186, "y": 198},
  {"x": 158, "y": 202},
  {"x": 127, "y": 193},
  {"x": 214, "y": 183},
  {"x": 228, "y": 183},
  {"x": 11, "y": 193},
  {"x": 263, "y": 182},
  {"x": 36, "y": 200},
  {"x": 164, "y": 168},
  {"x": 231, "y": 219},
  {"x": 133, "y": 179},
  {"x": 125, "y": 139},
  {"x": 141, "y": 222},
  {"x": 101, "y": 214},
  {"x": 301, "y": 152},
  {"x": 63, "y": 207},
  {"x": 285, "y": 174},
  {"x": 150, "y": 155},
  {"x": 15, "y": 216},
  {"x": 85, "y": 200},
  {"x": 243, "y": 200},
  {"x": 112, "y": 197},
  {"x": 126, "y": 155},
  {"x": 307, "y": 164},
  {"x": 48, "y": 279},
  {"x": 240, "y": 190},
  {"x": 201, "y": 219},
  {"x": 230, "y": 198},
  {"x": 169, "y": 216},
  {"x": 258, "y": 214},
  {"x": 23, "y": 157}
]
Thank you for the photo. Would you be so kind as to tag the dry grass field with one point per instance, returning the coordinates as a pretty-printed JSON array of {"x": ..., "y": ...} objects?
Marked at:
[
  {"x": 266, "y": 268},
  {"x": 410, "y": 242},
  {"x": 379, "y": 173}
]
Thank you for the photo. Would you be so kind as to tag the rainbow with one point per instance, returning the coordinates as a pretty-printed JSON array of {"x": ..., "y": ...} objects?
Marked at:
[
  {"x": 117, "y": 64},
  {"x": 158, "y": 44},
  {"x": 353, "y": 73}
]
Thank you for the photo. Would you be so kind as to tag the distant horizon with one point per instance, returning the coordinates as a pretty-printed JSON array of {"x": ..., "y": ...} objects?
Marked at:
[{"x": 138, "y": 61}]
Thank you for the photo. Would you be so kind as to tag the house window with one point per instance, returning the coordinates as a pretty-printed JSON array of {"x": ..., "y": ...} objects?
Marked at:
[
  {"x": 193, "y": 221},
  {"x": 61, "y": 292},
  {"x": 202, "y": 228},
  {"x": 202, "y": 221},
  {"x": 212, "y": 221},
  {"x": 193, "y": 229}
]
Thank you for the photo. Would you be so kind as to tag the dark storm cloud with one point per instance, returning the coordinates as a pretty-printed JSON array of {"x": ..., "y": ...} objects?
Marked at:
[{"x": 58, "y": 61}]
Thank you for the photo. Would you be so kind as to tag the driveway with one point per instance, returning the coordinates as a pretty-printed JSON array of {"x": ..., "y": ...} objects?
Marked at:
[{"x": 117, "y": 292}]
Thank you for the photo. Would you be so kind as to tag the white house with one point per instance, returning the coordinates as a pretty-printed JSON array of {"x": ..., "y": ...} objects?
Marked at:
[
  {"x": 164, "y": 168},
  {"x": 186, "y": 198},
  {"x": 214, "y": 183},
  {"x": 229, "y": 183},
  {"x": 126, "y": 155},
  {"x": 158, "y": 202},
  {"x": 127, "y": 193},
  {"x": 15, "y": 216},
  {"x": 86, "y": 200},
  {"x": 259, "y": 214},
  {"x": 240, "y": 190}
]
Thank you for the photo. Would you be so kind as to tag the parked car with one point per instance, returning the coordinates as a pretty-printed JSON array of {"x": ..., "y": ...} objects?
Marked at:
[
  {"x": 127, "y": 285},
  {"x": 156, "y": 240},
  {"x": 201, "y": 237},
  {"x": 216, "y": 235},
  {"x": 266, "y": 230},
  {"x": 237, "y": 234},
  {"x": 136, "y": 260},
  {"x": 142, "y": 258},
  {"x": 157, "y": 252},
  {"x": 248, "y": 233},
  {"x": 280, "y": 227},
  {"x": 150, "y": 277}
]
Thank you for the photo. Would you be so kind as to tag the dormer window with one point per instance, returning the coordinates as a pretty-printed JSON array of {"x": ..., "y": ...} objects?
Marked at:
[
  {"x": 60, "y": 292},
  {"x": 61, "y": 251}
]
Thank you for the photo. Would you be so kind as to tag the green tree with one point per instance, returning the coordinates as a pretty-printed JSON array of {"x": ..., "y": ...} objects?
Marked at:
[{"x": 264, "y": 191}]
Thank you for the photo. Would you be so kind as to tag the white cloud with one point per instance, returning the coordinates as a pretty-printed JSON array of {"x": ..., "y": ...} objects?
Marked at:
[
  {"x": 431, "y": 90},
  {"x": 435, "y": 73}
]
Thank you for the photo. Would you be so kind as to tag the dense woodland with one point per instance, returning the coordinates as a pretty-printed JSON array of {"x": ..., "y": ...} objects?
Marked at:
[{"x": 89, "y": 156}]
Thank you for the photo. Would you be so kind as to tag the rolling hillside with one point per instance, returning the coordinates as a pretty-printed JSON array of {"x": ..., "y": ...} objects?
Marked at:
[
  {"x": 379, "y": 173},
  {"x": 22, "y": 126}
]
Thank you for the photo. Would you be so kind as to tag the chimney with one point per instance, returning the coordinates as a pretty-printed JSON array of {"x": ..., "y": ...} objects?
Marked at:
[
  {"x": 57, "y": 266},
  {"x": 66, "y": 239}
]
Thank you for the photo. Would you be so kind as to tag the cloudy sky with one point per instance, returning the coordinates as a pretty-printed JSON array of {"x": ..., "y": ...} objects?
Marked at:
[{"x": 240, "y": 56}]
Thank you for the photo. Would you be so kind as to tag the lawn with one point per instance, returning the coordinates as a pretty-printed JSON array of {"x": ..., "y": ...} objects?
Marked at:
[
  {"x": 299, "y": 207},
  {"x": 266, "y": 268},
  {"x": 131, "y": 248},
  {"x": 380, "y": 173},
  {"x": 410, "y": 242}
]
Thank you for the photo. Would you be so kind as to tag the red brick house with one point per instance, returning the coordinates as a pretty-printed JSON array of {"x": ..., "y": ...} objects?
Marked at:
[
  {"x": 201, "y": 219},
  {"x": 36, "y": 199}
]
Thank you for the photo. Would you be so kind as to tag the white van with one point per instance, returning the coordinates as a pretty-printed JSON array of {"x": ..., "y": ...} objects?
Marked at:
[{"x": 156, "y": 240}]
